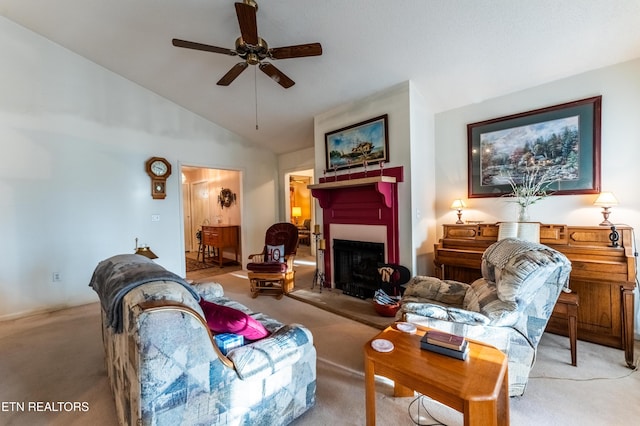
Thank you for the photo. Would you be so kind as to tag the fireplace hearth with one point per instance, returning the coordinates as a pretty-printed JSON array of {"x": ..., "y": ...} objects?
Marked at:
[{"x": 356, "y": 267}]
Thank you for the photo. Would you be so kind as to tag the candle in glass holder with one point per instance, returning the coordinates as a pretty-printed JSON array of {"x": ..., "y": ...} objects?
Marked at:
[
  {"x": 316, "y": 229},
  {"x": 322, "y": 244}
]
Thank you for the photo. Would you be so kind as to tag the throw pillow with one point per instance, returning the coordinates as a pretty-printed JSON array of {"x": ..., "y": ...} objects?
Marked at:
[
  {"x": 275, "y": 253},
  {"x": 223, "y": 319}
]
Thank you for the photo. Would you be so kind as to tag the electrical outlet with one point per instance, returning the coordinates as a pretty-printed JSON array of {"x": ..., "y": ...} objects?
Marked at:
[
  {"x": 155, "y": 218},
  {"x": 56, "y": 277}
]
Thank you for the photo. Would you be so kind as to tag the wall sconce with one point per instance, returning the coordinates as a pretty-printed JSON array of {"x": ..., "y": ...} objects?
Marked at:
[
  {"x": 145, "y": 251},
  {"x": 296, "y": 212},
  {"x": 606, "y": 200},
  {"x": 458, "y": 205}
]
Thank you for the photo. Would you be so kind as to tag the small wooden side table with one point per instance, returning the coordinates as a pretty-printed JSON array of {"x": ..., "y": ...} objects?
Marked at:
[
  {"x": 220, "y": 237},
  {"x": 567, "y": 308},
  {"x": 478, "y": 386}
]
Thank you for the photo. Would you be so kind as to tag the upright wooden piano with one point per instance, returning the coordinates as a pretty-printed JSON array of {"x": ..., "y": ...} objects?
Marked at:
[{"x": 603, "y": 274}]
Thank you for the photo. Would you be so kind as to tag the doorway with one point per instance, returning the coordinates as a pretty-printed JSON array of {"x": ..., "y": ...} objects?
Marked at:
[
  {"x": 210, "y": 197},
  {"x": 300, "y": 208}
]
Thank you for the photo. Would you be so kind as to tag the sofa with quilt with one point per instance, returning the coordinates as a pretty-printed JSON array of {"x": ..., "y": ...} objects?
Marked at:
[
  {"x": 165, "y": 367},
  {"x": 508, "y": 307}
]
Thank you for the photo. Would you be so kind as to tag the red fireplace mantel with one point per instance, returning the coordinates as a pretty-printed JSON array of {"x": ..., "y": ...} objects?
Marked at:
[
  {"x": 361, "y": 199},
  {"x": 383, "y": 185}
]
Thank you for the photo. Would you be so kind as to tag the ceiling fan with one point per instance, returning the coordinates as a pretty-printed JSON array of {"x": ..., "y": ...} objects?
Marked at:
[{"x": 254, "y": 49}]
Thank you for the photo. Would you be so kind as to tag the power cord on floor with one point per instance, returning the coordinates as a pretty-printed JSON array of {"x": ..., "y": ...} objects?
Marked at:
[
  {"x": 590, "y": 379},
  {"x": 416, "y": 420}
]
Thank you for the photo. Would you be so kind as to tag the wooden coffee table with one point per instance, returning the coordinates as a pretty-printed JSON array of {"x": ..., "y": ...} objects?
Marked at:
[{"x": 478, "y": 387}]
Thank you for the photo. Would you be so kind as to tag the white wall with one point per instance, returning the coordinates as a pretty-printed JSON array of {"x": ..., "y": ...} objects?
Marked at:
[
  {"x": 423, "y": 183},
  {"x": 74, "y": 138},
  {"x": 619, "y": 86}
]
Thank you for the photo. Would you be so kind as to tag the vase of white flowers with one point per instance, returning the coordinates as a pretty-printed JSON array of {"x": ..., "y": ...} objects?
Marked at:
[
  {"x": 528, "y": 188},
  {"x": 523, "y": 213}
]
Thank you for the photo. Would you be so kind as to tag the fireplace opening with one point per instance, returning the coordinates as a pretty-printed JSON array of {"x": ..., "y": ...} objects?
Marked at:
[{"x": 356, "y": 267}]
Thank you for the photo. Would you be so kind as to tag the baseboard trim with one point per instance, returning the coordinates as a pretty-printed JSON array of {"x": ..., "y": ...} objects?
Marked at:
[{"x": 41, "y": 311}]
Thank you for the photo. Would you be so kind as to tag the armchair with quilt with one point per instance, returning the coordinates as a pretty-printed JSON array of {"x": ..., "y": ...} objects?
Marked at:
[
  {"x": 508, "y": 307},
  {"x": 271, "y": 271}
]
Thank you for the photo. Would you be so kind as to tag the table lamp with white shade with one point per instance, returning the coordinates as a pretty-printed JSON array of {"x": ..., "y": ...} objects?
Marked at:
[
  {"x": 606, "y": 200},
  {"x": 458, "y": 205},
  {"x": 296, "y": 212}
]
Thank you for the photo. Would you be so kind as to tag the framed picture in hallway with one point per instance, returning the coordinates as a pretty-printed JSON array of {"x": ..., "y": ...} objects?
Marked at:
[
  {"x": 561, "y": 142},
  {"x": 358, "y": 145}
]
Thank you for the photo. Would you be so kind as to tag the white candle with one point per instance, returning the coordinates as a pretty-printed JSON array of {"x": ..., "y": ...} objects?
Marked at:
[{"x": 316, "y": 229}]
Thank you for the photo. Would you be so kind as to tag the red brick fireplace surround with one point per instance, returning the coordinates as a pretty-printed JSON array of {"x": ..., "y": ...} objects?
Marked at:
[{"x": 360, "y": 203}]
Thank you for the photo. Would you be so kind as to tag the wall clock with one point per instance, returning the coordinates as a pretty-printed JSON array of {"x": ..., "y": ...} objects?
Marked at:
[{"x": 158, "y": 169}]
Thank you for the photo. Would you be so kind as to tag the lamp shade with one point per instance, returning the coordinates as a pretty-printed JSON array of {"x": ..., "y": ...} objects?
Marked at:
[
  {"x": 606, "y": 199},
  {"x": 458, "y": 205},
  {"x": 296, "y": 211}
]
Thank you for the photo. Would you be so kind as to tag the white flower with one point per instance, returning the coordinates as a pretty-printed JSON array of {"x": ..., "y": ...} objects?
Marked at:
[{"x": 533, "y": 186}]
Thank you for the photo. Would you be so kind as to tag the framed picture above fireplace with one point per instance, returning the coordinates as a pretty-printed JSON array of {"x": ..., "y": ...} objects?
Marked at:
[{"x": 358, "y": 145}]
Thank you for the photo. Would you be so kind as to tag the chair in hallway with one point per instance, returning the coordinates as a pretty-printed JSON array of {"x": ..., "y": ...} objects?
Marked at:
[
  {"x": 271, "y": 271},
  {"x": 304, "y": 232},
  {"x": 204, "y": 251}
]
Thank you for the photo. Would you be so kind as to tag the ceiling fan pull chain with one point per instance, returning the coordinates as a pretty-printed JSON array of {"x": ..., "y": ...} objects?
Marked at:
[{"x": 255, "y": 85}]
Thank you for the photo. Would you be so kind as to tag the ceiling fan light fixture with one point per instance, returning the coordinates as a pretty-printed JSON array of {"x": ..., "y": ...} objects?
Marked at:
[
  {"x": 256, "y": 53},
  {"x": 252, "y": 59}
]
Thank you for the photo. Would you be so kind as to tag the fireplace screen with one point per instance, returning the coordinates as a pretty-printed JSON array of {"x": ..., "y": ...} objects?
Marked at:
[{"x": 356, "y": 267}]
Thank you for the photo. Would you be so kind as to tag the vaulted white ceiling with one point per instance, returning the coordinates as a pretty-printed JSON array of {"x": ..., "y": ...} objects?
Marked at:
[{"x": 456, "y": 52}]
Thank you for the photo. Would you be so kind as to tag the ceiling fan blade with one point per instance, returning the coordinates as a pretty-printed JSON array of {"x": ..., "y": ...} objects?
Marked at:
[
  {"x": 276, "y": 75},
  {"x": 232, "y": 74},
  {"x": 199, "y": 46},
  {"x": 297, "y": 51},
  {"x": 248, "y": 23}
]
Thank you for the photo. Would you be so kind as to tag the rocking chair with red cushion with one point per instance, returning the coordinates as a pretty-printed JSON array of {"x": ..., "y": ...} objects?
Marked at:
[{"x": 271, "y": 271}]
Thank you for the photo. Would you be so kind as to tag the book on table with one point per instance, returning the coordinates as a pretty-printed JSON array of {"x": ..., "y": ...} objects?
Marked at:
[
  {"x": 461, "y": 354},
  {"x": 446, "y": 340}
]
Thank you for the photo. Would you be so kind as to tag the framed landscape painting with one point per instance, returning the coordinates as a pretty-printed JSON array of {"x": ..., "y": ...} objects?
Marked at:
[
  {"x": 357, "y": 145},
  {"x": 562, "y": 141}
]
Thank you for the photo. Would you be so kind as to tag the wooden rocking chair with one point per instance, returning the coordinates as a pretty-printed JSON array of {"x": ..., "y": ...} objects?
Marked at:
[{"x": 271, "y": 271}]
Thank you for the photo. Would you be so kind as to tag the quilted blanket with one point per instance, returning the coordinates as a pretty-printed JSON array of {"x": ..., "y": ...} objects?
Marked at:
[{"x": 116, "y": 276}]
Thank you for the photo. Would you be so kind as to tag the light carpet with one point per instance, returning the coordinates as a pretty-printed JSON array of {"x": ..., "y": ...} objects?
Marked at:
[{"x": 59, "y": 357}]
